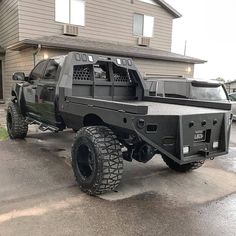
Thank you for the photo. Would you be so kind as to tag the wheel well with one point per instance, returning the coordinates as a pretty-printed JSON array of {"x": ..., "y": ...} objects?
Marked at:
[{"x": 92, "y": 119}]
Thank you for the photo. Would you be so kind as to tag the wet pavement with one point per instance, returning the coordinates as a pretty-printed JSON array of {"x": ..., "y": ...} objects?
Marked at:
[{"x": 39, "y": 196}]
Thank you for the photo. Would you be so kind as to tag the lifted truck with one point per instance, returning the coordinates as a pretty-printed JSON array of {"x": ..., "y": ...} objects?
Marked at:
[{"x": 105, "y": 99}]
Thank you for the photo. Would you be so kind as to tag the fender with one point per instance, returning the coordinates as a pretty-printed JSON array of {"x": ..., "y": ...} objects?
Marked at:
[{"x": 18, "y": 96}]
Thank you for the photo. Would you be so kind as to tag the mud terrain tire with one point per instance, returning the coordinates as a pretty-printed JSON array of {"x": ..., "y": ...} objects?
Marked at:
[
  {"x": 16, "y": 125},
  {"x": 97, "y": 160}
]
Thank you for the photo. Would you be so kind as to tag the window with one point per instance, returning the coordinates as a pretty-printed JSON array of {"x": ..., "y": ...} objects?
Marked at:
[
  {"x": 143, "y": 25},
  {"x": 232, "y": 97},
  {"x": 70, "y": 11},
  {"x": 51, "y": 70},
  {"x": 101, "y": 71},
  {"x": 216, "y": 93},
  {"x": 175, "y": 89},
  {"x": 38, "y": 71}
]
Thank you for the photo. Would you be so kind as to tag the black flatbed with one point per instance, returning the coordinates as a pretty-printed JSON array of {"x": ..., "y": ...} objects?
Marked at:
[{"x": 149, "y": 107}]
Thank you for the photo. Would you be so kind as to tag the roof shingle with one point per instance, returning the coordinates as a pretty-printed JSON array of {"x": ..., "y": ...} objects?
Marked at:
[{"x": 108, "y": 48}]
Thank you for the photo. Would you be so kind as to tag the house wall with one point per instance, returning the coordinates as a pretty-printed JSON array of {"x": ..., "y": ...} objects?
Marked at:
[
  {"x": 164, "y": 67},
  {"x": 110, "y": 20},
  {"x": 9, "y": 31},
  {"x": 231, "y": 88},
  {"x": 9, "y": 34}
]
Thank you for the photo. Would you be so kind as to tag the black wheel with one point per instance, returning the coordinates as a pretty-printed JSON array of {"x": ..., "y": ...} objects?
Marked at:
[
  {"x": 97, "y": 160},
  {"x": 16, "y": 125},
  {"x": 181, "y": 168}
]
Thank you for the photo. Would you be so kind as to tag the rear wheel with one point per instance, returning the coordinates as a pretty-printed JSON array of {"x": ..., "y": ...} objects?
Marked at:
[
  {"x": 97, "y": 160},
  {"x": 16, "y": 125},
  {"x": 181, "y": 168}
]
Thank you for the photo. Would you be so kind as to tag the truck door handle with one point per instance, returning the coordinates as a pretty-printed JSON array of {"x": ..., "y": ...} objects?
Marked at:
[{"x": 50, "y": 88}]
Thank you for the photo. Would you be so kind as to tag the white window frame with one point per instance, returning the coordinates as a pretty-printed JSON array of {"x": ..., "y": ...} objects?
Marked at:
[
  {"x": 69, "y": 21},
  {"x": 143, "y": 34}
]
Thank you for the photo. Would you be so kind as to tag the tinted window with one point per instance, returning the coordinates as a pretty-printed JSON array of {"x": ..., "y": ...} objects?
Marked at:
[
  {"x": 208, "y": 93},
  {"x": 101, "y": 71},
  {"x": 175, "y": 89},
  {"x": 232, "y": 97},
  {"x": 38, "y": 71},
  {"x": 51, "y": 70}
]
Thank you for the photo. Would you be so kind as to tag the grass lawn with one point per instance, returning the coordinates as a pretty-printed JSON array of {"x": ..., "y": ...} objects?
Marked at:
[{"x": 3, "y": 134}]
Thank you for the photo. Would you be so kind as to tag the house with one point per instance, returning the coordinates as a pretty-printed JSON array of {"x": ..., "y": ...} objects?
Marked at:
[
  {"x": 231, "y": 86},
  {"x": 31, "y": 30}
]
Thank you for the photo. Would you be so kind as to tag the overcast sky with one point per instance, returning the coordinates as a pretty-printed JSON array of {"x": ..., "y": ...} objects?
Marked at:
[{"x": 209, "y": 26}]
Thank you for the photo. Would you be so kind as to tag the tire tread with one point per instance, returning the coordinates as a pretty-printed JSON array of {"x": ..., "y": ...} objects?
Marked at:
[
  {"x": 110, "y": 155},
  {"x": 19, "y": 125}
]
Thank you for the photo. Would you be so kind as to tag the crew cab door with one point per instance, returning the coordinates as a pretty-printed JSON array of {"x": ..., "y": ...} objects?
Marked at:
[
  {"x": 30, "y": 89},
  {"x": 46, "y": 91}
]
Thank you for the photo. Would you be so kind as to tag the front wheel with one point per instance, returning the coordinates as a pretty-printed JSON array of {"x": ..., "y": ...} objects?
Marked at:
[
  {"x": 181, "y": 168},
  {"x": 97, "y": 160},
  {"x": 16, "y": 125}
]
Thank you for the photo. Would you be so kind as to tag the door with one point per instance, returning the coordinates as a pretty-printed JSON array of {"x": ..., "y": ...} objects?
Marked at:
[
  {"x": 1, "y": 86},
  {"x": 30, "y": 89},
  {"x": 46, "y": 91}
]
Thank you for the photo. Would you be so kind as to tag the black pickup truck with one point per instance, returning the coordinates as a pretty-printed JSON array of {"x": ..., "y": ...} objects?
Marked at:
[{"x": 106, "y": 101}]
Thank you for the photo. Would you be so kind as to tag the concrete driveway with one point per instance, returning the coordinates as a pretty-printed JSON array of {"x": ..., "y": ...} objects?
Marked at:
[{"x": 39, "y": 196}]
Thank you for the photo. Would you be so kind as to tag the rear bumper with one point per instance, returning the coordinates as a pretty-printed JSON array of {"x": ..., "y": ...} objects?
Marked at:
[
  {"x": 189, "y": 159},
  {"x": 182, "y": 134}
]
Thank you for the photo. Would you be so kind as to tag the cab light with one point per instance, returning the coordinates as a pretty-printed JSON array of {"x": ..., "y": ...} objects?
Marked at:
[
  {"x": 118, "y": 61},
  {"x": 90, "y": 58},
  {"x": 124, "y": 62}
]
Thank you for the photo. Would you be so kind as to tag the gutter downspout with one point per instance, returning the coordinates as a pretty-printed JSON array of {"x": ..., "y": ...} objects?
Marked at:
[{"x": 36, "y": 52}]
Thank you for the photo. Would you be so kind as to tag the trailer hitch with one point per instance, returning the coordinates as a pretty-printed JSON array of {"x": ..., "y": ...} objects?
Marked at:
[{"x": 204, "y": 153}]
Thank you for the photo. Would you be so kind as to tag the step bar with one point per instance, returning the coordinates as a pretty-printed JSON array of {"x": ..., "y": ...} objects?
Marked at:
[{"x": 42, "y": 126}]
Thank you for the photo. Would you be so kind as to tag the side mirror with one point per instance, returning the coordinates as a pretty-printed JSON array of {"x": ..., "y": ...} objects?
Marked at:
[{"x": 20, "y": 76}]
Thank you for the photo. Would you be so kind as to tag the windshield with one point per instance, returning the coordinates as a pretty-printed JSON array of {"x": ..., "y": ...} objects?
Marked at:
[{"x": 208, "y": 93}]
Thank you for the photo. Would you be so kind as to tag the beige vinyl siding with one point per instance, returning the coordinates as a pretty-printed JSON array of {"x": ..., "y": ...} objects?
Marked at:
[
  {"x": 110, "y": 20},
  {"x": 164, "y": 67},
  {"x": 9, "y": 32},
  {"x": 15, "y": 61}
]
